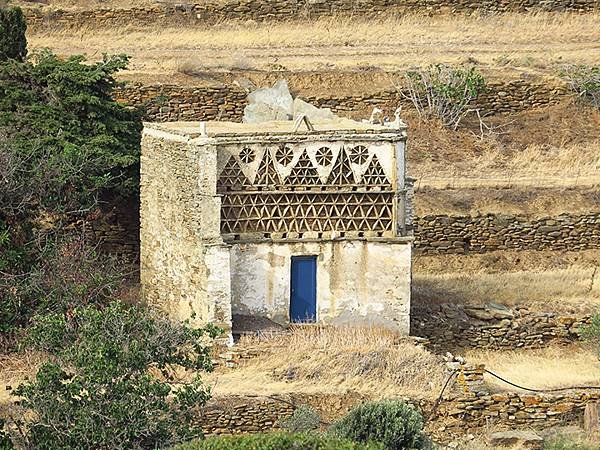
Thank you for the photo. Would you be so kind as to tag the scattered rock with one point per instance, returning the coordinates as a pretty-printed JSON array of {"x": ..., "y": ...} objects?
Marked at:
[
  {"x": 268, "y": 104},
  {"x": 311, "y": 111},
  {"x": 516, "y": 437},
  {"x": 276, "y": 103}
]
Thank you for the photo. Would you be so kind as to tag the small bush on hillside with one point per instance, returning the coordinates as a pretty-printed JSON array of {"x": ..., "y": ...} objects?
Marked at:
[
  {"x": 114, "y": 381},
  {"x": 13, "y": 44},
  {"x": 585, "y": 81},
  {"x": 444, "y": 92},
  {"x": 591, "y": 333},
  {"x": 395, "y": 424},
  {"x": 304, "y": 418},
  {"x": 69, "y": 273},
  {"x": 277, "y": 441}
]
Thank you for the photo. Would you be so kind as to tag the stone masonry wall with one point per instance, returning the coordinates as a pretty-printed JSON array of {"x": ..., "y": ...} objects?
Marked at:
[
  {"x": 169, "y": 103},
  {"x": 448, "y": 327},
  {"x": 479, "y": 234},
  {"x": 266, "y": 10},
  {"x": 458, "y": 414}
]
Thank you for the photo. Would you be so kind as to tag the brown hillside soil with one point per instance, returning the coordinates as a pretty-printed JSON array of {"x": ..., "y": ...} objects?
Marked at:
[
  {"x": 561, "y": 140},
  {"x": 528, "y": 202}
]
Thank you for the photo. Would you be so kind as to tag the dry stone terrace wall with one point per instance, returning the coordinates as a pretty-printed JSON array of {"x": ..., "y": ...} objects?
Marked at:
[
  {"x": 459, "y": 413},
  {"x": 169, "y": 103},
  {"x": 284, "y": 10},
  {"x": 479, "y": 234},
  {"x": 450, "y": 327}
]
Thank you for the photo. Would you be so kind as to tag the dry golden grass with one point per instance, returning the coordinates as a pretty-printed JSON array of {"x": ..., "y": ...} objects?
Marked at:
[
  {"x": 313, "y": 359},
  {"x": 547, "y": 368},
  {"x": 525, "y": 201},
  {"x": 529, "y": 42},
  {"x": 553, "y": 146},
  {"x": 545, "y": 280},
  {"x": 14, "y": 369}
]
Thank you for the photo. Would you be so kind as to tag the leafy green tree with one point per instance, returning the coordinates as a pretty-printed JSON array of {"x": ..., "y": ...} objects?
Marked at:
[
  {"x": 64, "y": 144},
  {"x": 117, "y": 380},
  {"x": 395, "y": 424},
  {"x": 13, "y": 44}
]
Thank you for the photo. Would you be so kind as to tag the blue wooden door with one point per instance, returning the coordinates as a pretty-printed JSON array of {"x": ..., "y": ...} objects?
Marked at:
[{"x": 303, "y": 295}]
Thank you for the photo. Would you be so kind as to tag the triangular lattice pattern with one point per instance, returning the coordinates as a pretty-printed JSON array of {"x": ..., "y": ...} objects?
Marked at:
[
  {"x": 341, "y": 174},
  {"x": 374, "y": 175},
  {"x": 232, "y": 178},
  {"x": 303, "y": 173},
  {"x": 306, "y": 212},
  {"x": 267, "y": 175}
]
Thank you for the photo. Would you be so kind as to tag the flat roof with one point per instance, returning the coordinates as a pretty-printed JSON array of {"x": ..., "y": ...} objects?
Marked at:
[{"x": 215, "y": 129}]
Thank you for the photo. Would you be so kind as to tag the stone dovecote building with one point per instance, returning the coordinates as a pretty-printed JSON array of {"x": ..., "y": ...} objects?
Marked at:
[{"x": 260, "y": 220}]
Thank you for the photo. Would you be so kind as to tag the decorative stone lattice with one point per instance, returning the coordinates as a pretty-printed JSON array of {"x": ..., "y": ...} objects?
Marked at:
[
  {"x": 232, "y": 178},
  {"x": 267, "y": 175},
  {"x": 284, "y": 155},
  {"x": 341, "y": 174},
  {"x": 305, "y": 212},
  {"x": 300, "y": 202},
  {"x": 303, "y": 173},
  {"x": 324, "y": 156},
  {"x": 374, "y": 175},
  {"x": 247, "y": 155},
  {"x": 359, "y": 154}
]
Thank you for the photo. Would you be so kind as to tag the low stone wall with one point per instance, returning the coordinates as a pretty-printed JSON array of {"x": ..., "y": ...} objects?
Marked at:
[
  {"x": 238, "y": 415},
  {"x": 116, "y": 229},
  {"x": 475, "y": 406},
  {"x": 479, "y": 234},
  {"x": 450, "y": 327},
  {"x": 169, "y": 103},
  {"x": 283, "y": 10},
  {"x": 459, "y": 413}
]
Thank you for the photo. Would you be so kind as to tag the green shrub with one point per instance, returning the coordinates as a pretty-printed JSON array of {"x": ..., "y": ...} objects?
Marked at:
[
  {"x": 444, "y": 92},
  {"x": 585, "y": 81},
  {"x": 591, "y": 333},
  {"x": 277, "y": 441},
  {"x": 13, "y": 44},
  {"x": 69, "y": 273},
  {"x": 304, "y": 418},
  {"x": 114, "y": 380},
  {"x": 395, "y": 424}
]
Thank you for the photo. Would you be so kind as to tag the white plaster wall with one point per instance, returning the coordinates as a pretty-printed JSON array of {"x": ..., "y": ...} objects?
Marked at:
[{"x": 358, "y": 282}]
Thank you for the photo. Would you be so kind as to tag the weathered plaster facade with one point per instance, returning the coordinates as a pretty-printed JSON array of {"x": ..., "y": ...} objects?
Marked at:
[{"x": 226, "y": 206}]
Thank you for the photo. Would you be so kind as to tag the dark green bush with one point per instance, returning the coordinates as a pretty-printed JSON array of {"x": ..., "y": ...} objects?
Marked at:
[
  {"x": 13, "y": 44},
  {"x": 277, "y": 441},
  {"x": 114, "y": 380},
  {"x": 395, "y": 424},
  {"x": 304, "y": 418}
]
